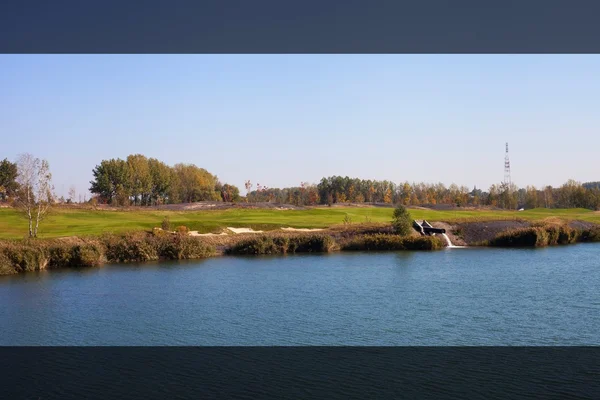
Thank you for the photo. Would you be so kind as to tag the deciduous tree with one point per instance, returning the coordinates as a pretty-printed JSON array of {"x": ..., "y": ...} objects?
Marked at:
[{"x": 35, "y": 194}]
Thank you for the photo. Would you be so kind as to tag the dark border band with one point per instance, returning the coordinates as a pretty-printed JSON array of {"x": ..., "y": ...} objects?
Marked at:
[
  {"x": 300, "y": 372},
  {"x": 309, "y": 26}
]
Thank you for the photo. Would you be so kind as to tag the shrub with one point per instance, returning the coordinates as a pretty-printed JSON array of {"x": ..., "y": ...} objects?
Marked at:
[
  {"x": 283, "y": 244},
  {"x": 523, "y": 237},
  {"x": 166, "y": 224},
  {"x": 27, "y": 256},
  {"x": 537, "y": 236},
  {"x": 159, "y": 232},
  {"x": 182, "y": 248},
  {"x": 182, "y": 230},
  {"x": 311, "y": 243},
  {"x": 347, "y": 219},
  {"x": 402, "y": 220},
  {"x": 590, "y": 235},
  {"x": 132, "y": 247},
  {"x": 6, "y": 266},
  {"x": 87, "y": 255},
  {"x": 383, "y": 242},
  {"x": 60, "y": 255}
]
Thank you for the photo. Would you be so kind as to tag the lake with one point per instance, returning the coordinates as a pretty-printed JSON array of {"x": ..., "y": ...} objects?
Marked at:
[{"x": 471, "y": 296}]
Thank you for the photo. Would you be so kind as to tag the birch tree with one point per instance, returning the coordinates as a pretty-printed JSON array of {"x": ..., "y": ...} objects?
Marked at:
[
  {"x": 35, "y": 195},
  {"x": 72, "y": 194}
]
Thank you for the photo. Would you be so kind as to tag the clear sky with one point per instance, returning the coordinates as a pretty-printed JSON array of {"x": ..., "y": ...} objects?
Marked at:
[{"x": 281, "y": 119}]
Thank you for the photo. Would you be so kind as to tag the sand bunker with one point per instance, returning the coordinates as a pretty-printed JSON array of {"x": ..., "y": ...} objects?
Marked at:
[
  {"x": 243, "y": 230},
  {"x": 300, "y": 230},
  {"x": 195, "y": 233}
]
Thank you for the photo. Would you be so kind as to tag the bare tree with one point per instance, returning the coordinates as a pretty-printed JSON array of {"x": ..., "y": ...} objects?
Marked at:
[
  {"x": 248, "y": 186},
  {"x": 72, "y": 194},
  {"x": 35, "y": 195}
]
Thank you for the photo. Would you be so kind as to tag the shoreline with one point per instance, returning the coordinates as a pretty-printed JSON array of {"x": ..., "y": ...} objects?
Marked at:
[{"x": 18, "y": 256}]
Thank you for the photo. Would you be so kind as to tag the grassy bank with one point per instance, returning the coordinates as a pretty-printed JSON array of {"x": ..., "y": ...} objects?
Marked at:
[{"x": 85, "y": 222}]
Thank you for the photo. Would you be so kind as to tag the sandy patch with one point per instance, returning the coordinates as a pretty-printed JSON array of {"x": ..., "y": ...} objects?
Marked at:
[
  {"x": 300, "y": 230},
  {"x": 243, "y": 230},
  {"x": 195, "y": 233}
]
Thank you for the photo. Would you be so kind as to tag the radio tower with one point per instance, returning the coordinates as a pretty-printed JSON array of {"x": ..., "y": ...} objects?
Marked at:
[{"x": 507, "y": 168}]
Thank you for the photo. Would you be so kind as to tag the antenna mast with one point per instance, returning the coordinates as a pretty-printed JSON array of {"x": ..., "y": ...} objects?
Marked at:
[{"x": 507, "y": 168}]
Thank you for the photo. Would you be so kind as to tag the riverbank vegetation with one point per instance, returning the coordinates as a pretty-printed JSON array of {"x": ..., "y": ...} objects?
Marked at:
[
  {"x": 33, "y": 255},
  {"x": 80, "y": 252},
  {"x": 383, "y": 242},
  {"x": 545, "y": 234}
]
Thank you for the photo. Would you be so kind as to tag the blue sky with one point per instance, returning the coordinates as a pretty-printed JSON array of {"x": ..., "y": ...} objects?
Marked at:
[{"x": 281, "y": 119}]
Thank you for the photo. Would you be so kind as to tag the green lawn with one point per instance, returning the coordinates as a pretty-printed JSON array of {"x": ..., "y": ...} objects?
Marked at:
[{"x": 73, "y": 222}]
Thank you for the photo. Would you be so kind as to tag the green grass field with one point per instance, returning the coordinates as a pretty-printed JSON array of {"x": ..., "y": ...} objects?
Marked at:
[{"x": 79, "y": 222}]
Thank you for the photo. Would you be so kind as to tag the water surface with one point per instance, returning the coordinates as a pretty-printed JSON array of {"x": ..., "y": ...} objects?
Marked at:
[{"x": 452, "y": 297}]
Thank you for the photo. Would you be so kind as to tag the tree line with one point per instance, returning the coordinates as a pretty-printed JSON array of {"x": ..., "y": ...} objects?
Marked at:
[
  {"x": 139, "y": 180},
  {"x": 337, "y": 189},
  {"x": 143, "y": 181}
]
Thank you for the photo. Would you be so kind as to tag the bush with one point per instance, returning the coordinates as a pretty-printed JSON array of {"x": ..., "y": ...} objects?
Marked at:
[
  {"x": 27, "y": 256},
  {"x": 590, "y": 235},
  {"x": 60, "y": 255},
  {"x": 283, "y": 244},
  {"x": 183, "y": 248},
  {"x": 6, "y": 266},
  {"x": 87, "y": 255},
  {"x": 166, "y": 224},
  {"x": 537, "y": 236},
  {"x": 132, "y": 247},
  {"x": 393, "y": 242},
  {"x": 402, "y": 220},
  {"x": 182, "y": 230}
]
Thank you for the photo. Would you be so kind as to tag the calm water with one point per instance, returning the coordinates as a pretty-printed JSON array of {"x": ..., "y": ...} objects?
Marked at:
[{"x": 453, "y": 297}]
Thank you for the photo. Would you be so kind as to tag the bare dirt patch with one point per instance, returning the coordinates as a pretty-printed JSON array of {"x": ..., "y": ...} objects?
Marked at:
[
  {"x": 456, "y": 240},
  {"x": 476, "y": 232},
  {"x": 582, "y": 224}
]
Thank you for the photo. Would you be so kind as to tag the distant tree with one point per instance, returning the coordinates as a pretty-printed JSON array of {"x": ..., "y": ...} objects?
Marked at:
[
  {"x": 160, "y": 174},
  {"x": 248, "y": 186},
  {"x": 591, "y": 185},
  {"x": 531, "y": 197},
  {"x": 72, "y": 194},
  {"x": 191, "y": 184},
  {"x": 140, "y": 180},
  {"x": 111, "y": 181},
  {"x": 387, "y": 197},
  {"x": 405, "y": 193},
  {"x": 402, "y": 221},
  {"x": 229, "y": 193},
  {"x": 35, "y": 194},
  {"x": 360, "y": 198},
  {"x": 8, "y": 179}
]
